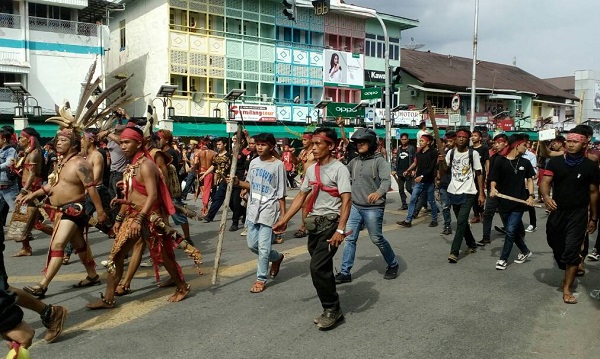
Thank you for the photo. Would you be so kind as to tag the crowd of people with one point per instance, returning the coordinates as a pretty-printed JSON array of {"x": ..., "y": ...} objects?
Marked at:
[{"x": 134, "y": 179}]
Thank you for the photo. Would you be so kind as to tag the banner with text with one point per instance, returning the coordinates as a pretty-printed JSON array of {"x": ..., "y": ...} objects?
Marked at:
[
  {"x": 345, "y": 110},
  {"x": 371, "y": 93},
  {"x": 256, "y": 113},
  {"x": 343, "y": 69}
]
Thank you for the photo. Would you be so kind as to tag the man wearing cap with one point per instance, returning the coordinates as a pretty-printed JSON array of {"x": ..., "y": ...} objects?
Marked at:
[
  {"x": 425, "y": 165},
  {"x": 328, "y": 210},
  {"x": 574, "y": 181},
  {"x": 465, "y": 167}
]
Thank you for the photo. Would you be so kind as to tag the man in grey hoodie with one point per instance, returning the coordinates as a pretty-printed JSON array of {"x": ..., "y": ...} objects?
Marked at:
[{"x": 370, "y": 178}]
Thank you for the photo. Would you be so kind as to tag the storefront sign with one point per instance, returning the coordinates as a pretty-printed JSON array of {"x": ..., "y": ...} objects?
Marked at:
[
  {"x": 256, "y": 113},
  {"x": 374, "y": 76},
  {"x": 407, "y": 118},
  {"x": 345, "y": 110},
  {"x": 371, "y": 93}
]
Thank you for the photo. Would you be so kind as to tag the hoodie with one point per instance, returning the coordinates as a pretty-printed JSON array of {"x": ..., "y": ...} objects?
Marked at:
[{"x": 368, "y": 174}]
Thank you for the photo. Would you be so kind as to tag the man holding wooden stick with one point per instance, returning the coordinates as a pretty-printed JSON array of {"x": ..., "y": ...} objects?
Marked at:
[
  {"x": 574, "y": 180},
  {"x": 508, "y": 177}
]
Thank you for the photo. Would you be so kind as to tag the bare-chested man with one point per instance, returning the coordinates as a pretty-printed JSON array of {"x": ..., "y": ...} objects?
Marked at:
[
  {"x": 205, "y": 158},
  {"x": 307, "y": 159},
  {"x": 65, "y": 189},
  {"x": 146, "y": 202},
  {"x": 31, "y": 181}
]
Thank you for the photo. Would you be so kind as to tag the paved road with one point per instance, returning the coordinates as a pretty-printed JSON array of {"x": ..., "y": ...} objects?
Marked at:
[{"x": 432, "y": 310}]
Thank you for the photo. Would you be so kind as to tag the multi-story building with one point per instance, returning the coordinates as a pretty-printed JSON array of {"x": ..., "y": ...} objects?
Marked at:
[
  {"x": 209, "y": 47},
  {"x": 48, "y": 46}
]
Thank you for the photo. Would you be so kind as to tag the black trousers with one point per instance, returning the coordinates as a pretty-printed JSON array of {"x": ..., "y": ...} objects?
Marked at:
[
  {"x": 321, "y": 266},
  {"x": 565, "y": 233},
  {"x": 235, "y": 203},
  {"x": 532, "y": 216},
  {"x": 404, "y": 183}
]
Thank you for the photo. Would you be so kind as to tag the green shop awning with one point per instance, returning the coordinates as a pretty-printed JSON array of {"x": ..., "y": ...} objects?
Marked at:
[{"x": 46, "y": 130}]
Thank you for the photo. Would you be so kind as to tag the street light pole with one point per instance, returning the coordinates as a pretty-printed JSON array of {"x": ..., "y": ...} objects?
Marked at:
[{"x": 473, "y": 79}]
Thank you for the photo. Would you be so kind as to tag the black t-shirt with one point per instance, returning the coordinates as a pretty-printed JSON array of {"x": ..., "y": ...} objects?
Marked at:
[
  {"x": 426, "y": 164},
  {"x": 403, "y": 160},
  {"x": 492, "y": 159},
  {"x": 571, "y": 185},
  {"x": 510, "y": 176},
  {"x": 484, "y": 155}
]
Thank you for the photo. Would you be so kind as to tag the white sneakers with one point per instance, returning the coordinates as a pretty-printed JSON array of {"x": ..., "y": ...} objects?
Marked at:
[
  {"x": 530, "y": 229},
  {"x": 521, "y": 258}
]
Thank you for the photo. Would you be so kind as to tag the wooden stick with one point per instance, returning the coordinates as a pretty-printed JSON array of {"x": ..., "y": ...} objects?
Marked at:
[
  {"x": 436, "y": 133},
  {"x": 510, "y": 198},
  {"x": 236, "y": 150}
]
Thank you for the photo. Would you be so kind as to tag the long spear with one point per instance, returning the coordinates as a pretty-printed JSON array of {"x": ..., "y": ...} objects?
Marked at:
[
  {"x": 236, "y": 150},
  {"x": 436, "y": 133}
]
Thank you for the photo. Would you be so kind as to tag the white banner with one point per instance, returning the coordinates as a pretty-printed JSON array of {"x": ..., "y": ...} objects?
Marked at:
[
  {"x": 407, "y": 118},
  {"x": 343, "y": 69},
  {"x": 256, "y": 113}
]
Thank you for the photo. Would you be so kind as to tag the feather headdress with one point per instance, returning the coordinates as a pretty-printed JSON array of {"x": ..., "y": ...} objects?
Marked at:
[
  {"x": 90, "y": 100},
  {"x": 151, "y": 119}
]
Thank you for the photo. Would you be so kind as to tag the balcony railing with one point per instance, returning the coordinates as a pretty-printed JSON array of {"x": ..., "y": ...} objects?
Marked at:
[
  {"x": 63, "y": 26},
  {"x": 10, "y": 21}
]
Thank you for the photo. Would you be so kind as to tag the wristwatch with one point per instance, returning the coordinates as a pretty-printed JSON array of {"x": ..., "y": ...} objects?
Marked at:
[{"x": 340, "y": 231}]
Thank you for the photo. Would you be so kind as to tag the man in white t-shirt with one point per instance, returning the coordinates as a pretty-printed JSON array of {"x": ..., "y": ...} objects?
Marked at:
[
  {"x": 465, "y": 167},
  {"x": 422, "y": 131}
]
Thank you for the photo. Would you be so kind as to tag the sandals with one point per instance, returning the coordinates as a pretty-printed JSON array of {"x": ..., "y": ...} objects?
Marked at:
[
  {"x": 102, "y": 304},
  {"x": 66, "y": 260},
  {"x": 300, "y": 233},
  {"x": 90, "y": 282},
  {"x": 258, "y": 287},
  {"x": 124, "y": 290},
  {"x": 36, "y": 291}
]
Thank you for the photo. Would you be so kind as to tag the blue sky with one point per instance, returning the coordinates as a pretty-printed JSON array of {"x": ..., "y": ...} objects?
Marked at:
[{"x": 548, "y": 38}]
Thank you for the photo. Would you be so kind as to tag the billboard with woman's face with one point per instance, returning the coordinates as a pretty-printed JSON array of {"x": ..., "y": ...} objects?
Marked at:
[{"x": 343, "y": 69}]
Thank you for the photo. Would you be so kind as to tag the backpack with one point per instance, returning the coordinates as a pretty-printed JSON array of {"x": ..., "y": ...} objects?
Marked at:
[{"x": 470, "y": 158}]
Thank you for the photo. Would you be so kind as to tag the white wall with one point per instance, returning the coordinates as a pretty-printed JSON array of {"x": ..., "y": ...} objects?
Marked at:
[
  {"x": 585, "y": 84},
  {"x": 146, "y": 52}
]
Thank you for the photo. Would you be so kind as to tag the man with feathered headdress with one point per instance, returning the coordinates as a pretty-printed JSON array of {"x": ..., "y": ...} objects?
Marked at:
[{"x": 71, "y": 178}]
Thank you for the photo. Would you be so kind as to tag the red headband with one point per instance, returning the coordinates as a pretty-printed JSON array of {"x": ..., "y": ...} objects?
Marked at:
[
  {"x": 324, "y": 138},
  {"x": 25, "y": 134},
  {"x": 576, "y": 137},
  {"x": 425, "y": 138},
  {"x": 516, "y": 143},
  {"x": 464, "y": 134},
  {"x": 65, "y": 132},
  {"x": 131, "y": 134},
  {"x": 160, "y": 135},
  {"x": 307, "y": 136},
  {"x": 501, "y": 140}
]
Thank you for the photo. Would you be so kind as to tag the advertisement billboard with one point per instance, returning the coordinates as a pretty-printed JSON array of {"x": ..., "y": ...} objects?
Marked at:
[
  {"x": 256, "y": 113},
  {"x": 343, "y": 69}
]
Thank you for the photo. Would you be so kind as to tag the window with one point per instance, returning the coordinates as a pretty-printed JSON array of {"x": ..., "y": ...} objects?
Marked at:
[
  {"x": 122, "y": 34},
  {"x": 374, "y": 45},
  {"x": 49, "y": 11}
]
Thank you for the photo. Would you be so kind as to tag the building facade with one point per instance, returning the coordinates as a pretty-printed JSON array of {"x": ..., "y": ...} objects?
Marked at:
[
  {"x": 209, "y": 47},
  {"x": 48, "y": 46}
]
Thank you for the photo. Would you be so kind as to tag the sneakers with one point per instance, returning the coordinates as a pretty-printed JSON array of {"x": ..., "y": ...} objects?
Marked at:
[
  {"x": 501, "y": 264},
  {"x": 522, "y": 258},
  {"x": 447, "y": 231},
  {"x": 244, "y": 232},
  {"x": 484, "y": 242},
  {"x": 404, "y": 207},
  {"x": 147, "y": 263},
  {"x": 329, "y": 319},
  {"x": 404, "y": 224},
  {"x": 594, "y": 256},
  {"x": 391, "y": 272},
  {"x": 234, "y": 227},
  {"x": 530, "y": 229},
  {"x": 341, "y": 278},
  {"x": 55, "y": 323},
  {"x": 500, "y": 229},
  {"x": 433, "y": 224},
  {"x": 452, "y": 258}
]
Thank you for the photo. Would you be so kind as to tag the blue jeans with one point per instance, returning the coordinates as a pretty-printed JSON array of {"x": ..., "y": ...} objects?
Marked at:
[
  {"x": 445, "y": 201},
  {"x": 259, "y": 242},
  {"x": 515, "y": 233},
  {"x": 419, "y": 188},
  {"x": 217, "y": 197},
  {"x": 372, "y": 218},
  {"x": 190, "y": 179}
]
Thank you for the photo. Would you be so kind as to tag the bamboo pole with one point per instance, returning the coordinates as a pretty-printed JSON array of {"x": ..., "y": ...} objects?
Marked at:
[
  {"x": 219, "y": 250},
  {"x": 514, "y": 199}
]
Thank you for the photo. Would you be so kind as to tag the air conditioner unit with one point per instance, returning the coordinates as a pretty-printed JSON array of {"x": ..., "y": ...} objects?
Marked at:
[{"x": 413, "y": 93}]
